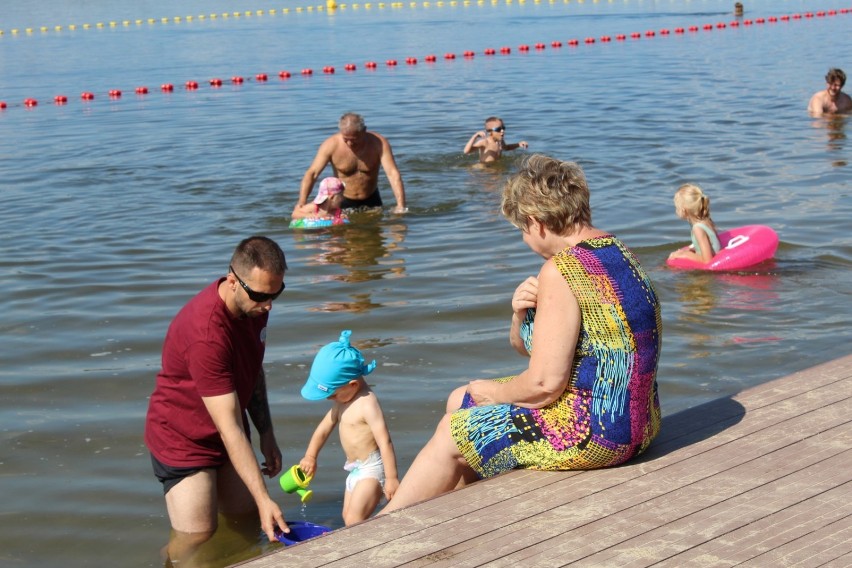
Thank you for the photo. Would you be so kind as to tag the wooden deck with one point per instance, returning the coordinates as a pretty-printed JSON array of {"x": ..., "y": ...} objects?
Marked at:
[{"x": 763, "y": 478}]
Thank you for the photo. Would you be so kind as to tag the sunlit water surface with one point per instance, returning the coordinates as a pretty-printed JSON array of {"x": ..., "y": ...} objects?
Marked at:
[{"x": 115, "y": 212}]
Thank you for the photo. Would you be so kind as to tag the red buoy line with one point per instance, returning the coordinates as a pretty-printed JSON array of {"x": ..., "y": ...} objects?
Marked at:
[{"x": 236, "y": 80}]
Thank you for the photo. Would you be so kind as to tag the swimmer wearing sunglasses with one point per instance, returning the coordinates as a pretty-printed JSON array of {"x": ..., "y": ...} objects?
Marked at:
[{"x": 491, "y": 142}]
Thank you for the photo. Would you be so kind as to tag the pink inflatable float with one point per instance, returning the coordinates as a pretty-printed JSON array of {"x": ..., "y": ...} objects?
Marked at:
[{"x": 741, "y": 247}]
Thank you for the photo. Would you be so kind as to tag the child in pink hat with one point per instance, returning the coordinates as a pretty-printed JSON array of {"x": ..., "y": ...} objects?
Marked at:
[{"x": 325, "y": 210}]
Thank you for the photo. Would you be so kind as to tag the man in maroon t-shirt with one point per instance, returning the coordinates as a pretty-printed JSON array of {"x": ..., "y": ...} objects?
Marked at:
[{"x": 212, "y": 373}]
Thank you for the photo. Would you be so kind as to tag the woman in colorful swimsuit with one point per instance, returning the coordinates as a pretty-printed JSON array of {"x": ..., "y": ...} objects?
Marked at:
[{"x": 589, "y": 324}]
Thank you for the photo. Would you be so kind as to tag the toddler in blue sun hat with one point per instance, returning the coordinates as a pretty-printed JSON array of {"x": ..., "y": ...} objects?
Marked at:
[{"x": 337, "y": 374}]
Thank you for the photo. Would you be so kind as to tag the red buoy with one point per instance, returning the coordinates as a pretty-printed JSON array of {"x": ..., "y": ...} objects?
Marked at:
[
  {"x": 307, "y": 71},
  {"x": 87, "y": 96},
  {"x": 115, "y": 94},
  {"x": 284, "y": 74},
  {"x": 30, "y": 102},
  {"x": 60, "y": 99},
  {"x": 191, "y": 85},
  {"x": 328, "y": 69},
  {"x": 430, "y": 58},
  {"x": 573, "y": 42},
  {"x": 490, "y": 51},
  {"x": 167, "y": 87},
  {"x": 449, "y": 56},
  {"x": 350, "y": 67},
  {"x": 505, "y": 50},
  {"x": 370, "y": 65},
  {"x": 2, "y": 104},
  {"x": 391, "y": 62},
  {"x": 216, "y": 82},
  {"x": 555, "y": 44},
  {"x": 261, "y": 77},
  {"x": 236, "y": 80},
  {"x": 141, "y": 90},
  {"x": 523, "y": 47},
  {"x": 469, "y": 54}
]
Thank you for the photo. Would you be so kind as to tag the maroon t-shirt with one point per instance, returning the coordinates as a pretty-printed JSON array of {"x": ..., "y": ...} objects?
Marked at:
[{"x": 207, "y": 352}]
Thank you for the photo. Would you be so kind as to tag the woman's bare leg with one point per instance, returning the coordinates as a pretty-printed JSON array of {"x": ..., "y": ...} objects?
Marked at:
[
  {"x": 455, "y": 399},
  {"x": 438, "y": 468}
]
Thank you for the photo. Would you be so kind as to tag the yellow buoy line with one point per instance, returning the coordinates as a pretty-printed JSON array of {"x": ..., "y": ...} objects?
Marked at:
[{"x": 330, "y": 6}]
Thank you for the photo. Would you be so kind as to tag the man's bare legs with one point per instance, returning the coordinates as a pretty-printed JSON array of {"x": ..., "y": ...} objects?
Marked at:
[{"x": 193, "y": 506}]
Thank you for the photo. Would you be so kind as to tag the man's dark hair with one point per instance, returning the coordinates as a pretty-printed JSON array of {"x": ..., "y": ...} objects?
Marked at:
[{"x": 261, "y": 252}]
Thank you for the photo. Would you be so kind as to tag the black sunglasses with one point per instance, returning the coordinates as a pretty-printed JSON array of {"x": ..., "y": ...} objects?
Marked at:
[
  {"x": 498, "y": 129},
  {"x": 258, "y": 297}
]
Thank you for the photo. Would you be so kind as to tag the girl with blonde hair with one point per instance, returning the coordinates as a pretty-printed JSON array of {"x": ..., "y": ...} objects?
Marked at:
[{"x": 692, "y": 205}]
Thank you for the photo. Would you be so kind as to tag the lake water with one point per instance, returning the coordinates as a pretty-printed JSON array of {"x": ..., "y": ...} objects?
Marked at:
[{"x": 116, "y": 211}]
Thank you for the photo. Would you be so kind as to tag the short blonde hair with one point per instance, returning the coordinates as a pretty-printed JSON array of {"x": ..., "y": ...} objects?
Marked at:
[
  {"x": 551, "y": 191},
  {"x": 691, "y": 203}
]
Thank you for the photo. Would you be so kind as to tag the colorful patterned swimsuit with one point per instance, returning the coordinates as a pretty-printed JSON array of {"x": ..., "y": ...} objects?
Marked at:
[{"x": 610, "y": 411}]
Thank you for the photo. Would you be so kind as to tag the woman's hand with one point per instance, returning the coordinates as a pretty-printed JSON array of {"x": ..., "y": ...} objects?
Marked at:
[
  {"x": 482, "y": 392},
  {"x": 525, "y": 296}
]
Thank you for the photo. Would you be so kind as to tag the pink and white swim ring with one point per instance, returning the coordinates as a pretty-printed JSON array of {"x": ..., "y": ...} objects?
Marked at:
[{"x": 741, "y": 247}]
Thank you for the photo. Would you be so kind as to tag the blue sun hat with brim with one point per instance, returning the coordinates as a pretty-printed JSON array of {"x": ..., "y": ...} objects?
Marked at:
[{"x": 334, "y": 366}]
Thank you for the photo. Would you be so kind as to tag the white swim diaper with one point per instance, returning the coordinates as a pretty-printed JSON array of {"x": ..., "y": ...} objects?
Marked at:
[{"x": 370, "y": 468}]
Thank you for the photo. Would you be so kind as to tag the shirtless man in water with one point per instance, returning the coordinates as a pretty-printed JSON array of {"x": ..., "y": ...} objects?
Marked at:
[
  {"x": 832, "y": 100},
  {"x": 355, "y": 155}
]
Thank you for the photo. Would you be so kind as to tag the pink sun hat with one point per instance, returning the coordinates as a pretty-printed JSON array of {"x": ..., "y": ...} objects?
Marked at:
[{"x": 328, "y": 187}]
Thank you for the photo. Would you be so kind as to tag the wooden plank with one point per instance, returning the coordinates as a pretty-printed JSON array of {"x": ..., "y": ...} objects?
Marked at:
[
  {"x": 743, "y": 477},
  {"x": 690, "y": 490}
]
